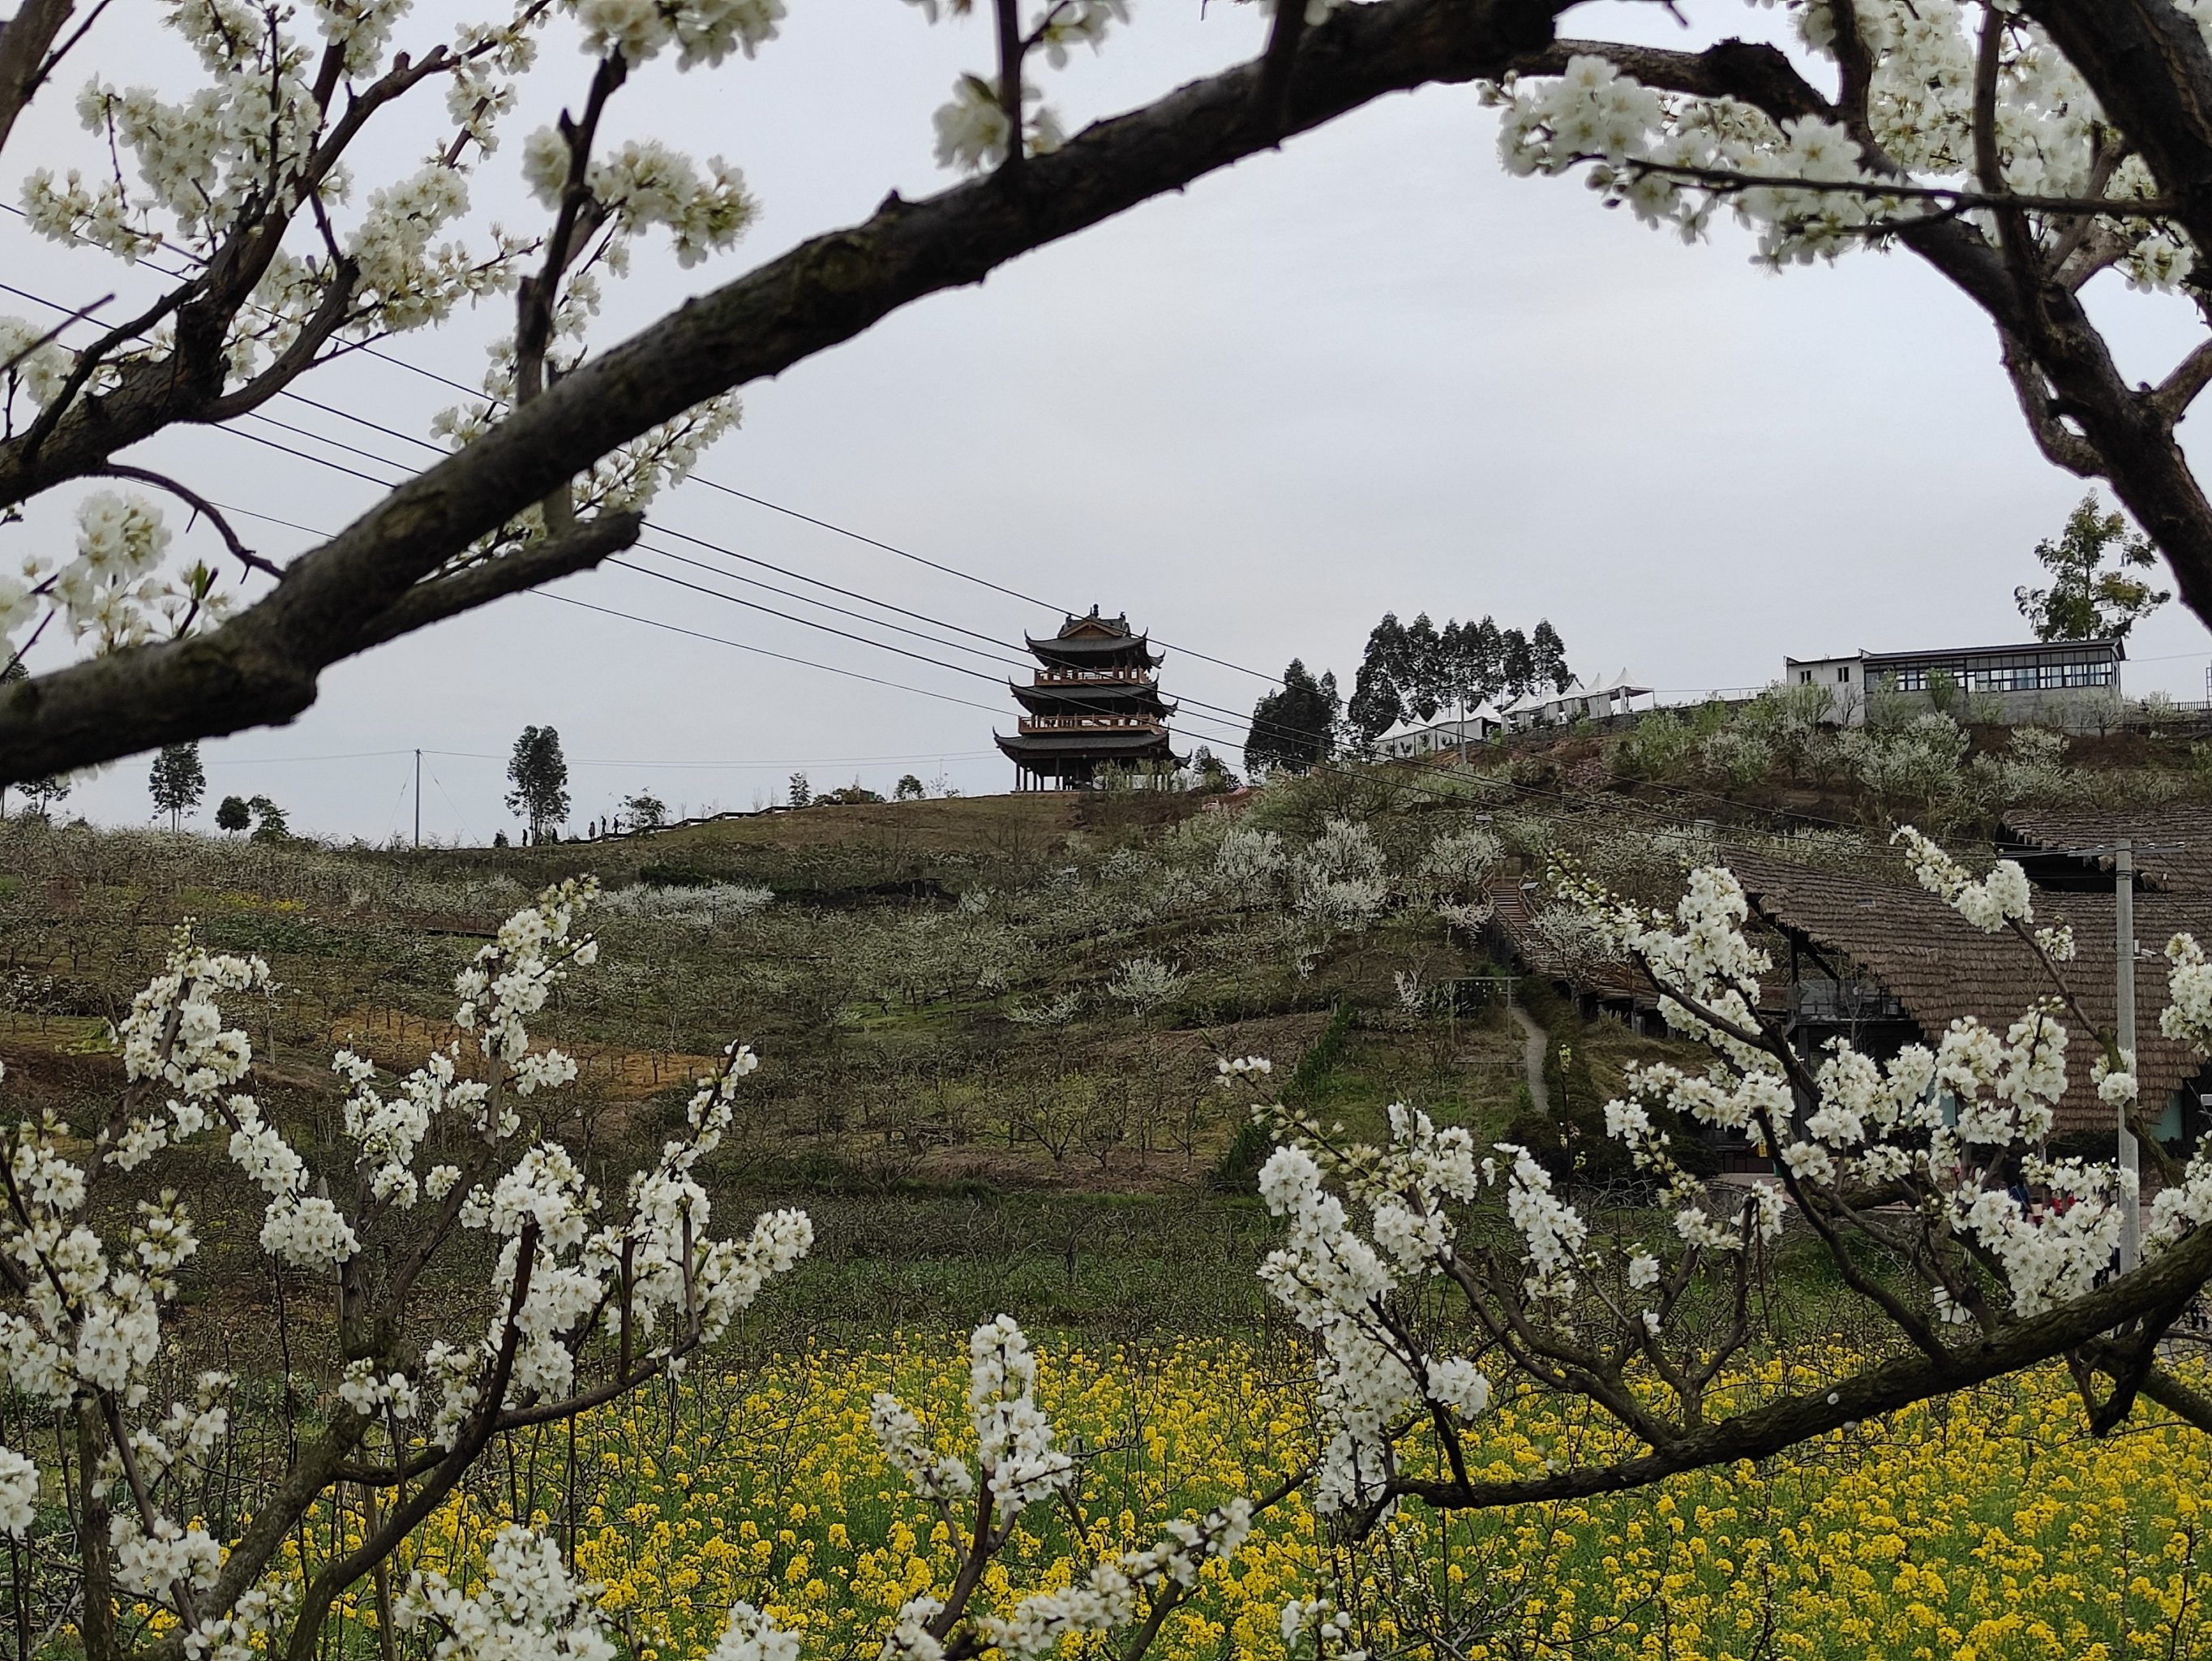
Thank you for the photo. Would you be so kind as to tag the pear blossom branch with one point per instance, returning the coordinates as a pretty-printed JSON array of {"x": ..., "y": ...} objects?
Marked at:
[{"x": 200, "y": 505}]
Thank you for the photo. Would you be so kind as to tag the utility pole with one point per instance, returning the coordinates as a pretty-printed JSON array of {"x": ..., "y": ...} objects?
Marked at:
[
  {"x": 2124, "y": 924},
  {"x": 418, "y": 800}
]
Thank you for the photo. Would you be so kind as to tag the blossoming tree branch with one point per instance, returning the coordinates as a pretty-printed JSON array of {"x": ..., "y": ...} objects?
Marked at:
[{"x": 2019, "y": 150}]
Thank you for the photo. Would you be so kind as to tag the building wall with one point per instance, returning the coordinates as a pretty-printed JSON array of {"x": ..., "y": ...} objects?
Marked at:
[{"x": 1851, "y": 681}]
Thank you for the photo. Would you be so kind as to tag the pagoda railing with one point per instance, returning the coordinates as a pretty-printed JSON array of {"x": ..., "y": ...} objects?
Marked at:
[
  {"x": 1094, "y": 678},
  {"x": 1091, "y": 724}
]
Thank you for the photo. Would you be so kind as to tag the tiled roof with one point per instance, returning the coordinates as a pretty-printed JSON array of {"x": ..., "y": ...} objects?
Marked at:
[
  {"x": 1940, "y": 967},
  {"x": 2173, "y": 843},
  {"x": 1516, "y": 918}
]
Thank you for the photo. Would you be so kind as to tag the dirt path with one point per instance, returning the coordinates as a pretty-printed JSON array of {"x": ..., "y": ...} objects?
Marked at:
[{"x": 1533, "y": 1058}]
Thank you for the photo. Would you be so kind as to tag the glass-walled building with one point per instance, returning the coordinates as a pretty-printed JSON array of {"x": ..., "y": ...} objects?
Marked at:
[{"x": 2059, "y": 683}]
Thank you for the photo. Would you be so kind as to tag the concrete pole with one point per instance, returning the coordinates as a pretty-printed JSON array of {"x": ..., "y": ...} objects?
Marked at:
[
  {"x": 2124, "y": 920},
  {"x": 418, "y": 797}
]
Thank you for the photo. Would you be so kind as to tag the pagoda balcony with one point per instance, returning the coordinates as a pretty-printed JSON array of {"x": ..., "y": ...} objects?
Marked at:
[
  {"x": 1094, "y": 678},
  {"x": 1091, "y": 723}
]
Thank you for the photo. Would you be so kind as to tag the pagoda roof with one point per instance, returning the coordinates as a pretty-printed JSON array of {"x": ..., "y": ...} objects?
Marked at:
[
  {"x": 1104, "y": 697},
  {"x": 1089, "y": 650},
  {"x": 1077, "y": 744}
]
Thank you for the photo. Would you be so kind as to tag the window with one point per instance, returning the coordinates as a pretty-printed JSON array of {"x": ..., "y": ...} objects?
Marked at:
[
  {"x": 1843, "y": 671},
  {"x": 1804, "y": 674}
]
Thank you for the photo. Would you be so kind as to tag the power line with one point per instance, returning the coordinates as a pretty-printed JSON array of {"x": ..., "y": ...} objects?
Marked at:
[
  {"x": 713, "y": 485},
  {"x": 1226, "y": 738},
  {"x": 762, "y": 651},
  {"x": 731, "y": 553}
]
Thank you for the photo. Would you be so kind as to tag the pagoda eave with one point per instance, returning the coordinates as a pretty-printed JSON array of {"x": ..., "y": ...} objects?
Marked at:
[{"x": 1076, "y": 744}]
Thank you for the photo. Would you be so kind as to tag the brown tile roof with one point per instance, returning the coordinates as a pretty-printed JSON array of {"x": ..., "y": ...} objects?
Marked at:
[
  {"x": 1516, "y": 918},
  {"x": 2174, "y": 843},
  {"x": 1940, "y": 966}
]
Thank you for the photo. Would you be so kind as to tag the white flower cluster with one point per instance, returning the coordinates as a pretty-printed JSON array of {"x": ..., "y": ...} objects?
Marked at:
[
  {"x": 528, "y": 1608},
  {"x": 1013, "y": 1438},
  {"x": 35, "y": 371},
  {"x": 243, "y": 1633},
  {"x": 702, "y": 31},
  {"x": 1242, "y": 1068},
  {"x": 1109, "y": 1597},
  {"x": 1675, "y": 158},
  {"x": 510, "y": 979},
  {"x": 577, "y": 1263},
  {"x": 1996, "y": 902},
  {"x": 19, "y": 1493},
  {"x": 1339, "y": 879},
  {"x": 752, "y": 1634},
  {"x": 1014, "y": 1446},
  {"x": 113, "y": 591},
  {"x": 390, "y": 1133},
  {"x": 1249, "y": 864},
  {"x": 972, "y": 131},
  {"x": 2188, "y": 1013},
  {"x": 645, "y": 184},
  {"x": 1338, "y": 1286},
  {"x": 368, "y": 1393}
]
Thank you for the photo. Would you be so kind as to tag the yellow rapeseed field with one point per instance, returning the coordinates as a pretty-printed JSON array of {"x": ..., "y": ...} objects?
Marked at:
[{"x": 1987, "y": 1527}]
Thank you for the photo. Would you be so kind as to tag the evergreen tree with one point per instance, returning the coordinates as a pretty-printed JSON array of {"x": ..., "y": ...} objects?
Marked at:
[
  {"x": 1548, "y": 653},
  {"x": 1378, "y": 702},
  {"x": 802, "y": 794},
  {"x": 645, "y": 811},
  {"x": 539, "y": 773},
  {"x": 233, "y": 815},
  {"x": 271, "y": 825},
  {"x": 1296, "y": 727},
  {"x": 1517, "y": 663},
  {"x": 908, "y": 788},
  {"x": 1486, "y": 649},
  {"x": 2085, "y": 601},
  {"x": 1422, "y": 680},
  {"x": 177, "y": 782}
]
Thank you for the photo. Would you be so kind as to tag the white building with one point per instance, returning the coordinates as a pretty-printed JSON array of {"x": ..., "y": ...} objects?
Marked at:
[{"x": 2062, "y": 683}]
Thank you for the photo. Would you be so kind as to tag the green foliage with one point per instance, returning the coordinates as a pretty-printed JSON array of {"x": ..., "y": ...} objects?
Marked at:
[
  {"x": 1240, "y": 1162},
  {"x": 270, "y": 824},
  {"x": 2085, "y": 600},
  {"x": 232, "y": 816},
  {"x": 177, "y": 782},
  {"x": 539, "y": 774},
  {"x": 1410, "y": 671},
  {"x": 645, "y": 810},
  {"x": 1294, "y": 727},
  {"x": 908, "y": 788},
  {"x": 1659, "y": 746}
]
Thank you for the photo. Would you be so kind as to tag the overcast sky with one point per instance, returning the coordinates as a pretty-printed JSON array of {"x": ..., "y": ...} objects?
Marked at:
[{"x": 1371, "y": 372}]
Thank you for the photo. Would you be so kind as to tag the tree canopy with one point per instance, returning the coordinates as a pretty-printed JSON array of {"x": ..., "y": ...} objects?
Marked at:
[
  {"x": 2092, "y": 596},
  {"x": 539, "y": 774},
  {"x": 1410, "y": 673},
  {"x": 1295, "y": 726},
  {"x": 177, "y": 782}
]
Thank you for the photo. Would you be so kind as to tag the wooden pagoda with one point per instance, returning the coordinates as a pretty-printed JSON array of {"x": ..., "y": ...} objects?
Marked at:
[{"x": 1094, "y": 702}]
